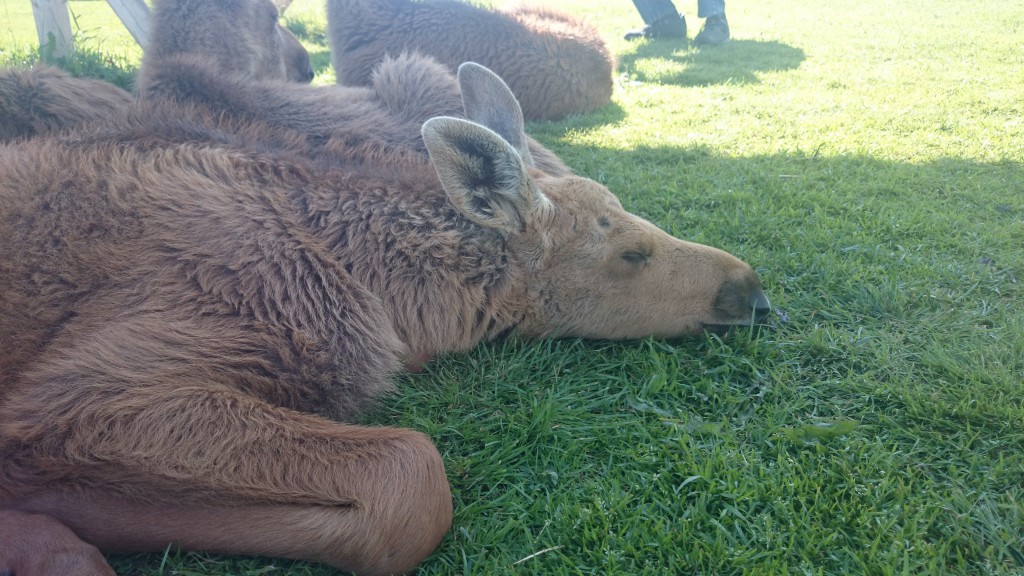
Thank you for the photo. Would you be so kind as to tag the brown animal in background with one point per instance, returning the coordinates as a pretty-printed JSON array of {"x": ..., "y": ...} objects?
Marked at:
[
  {"x": 297, "y": 66},
  {"x": 405, "y": 92},
  {"x": 44, "y": 100},
  {"x": 402, "y": 93},
  {"x": 185, "y": 323},
  {"x": 555, "y": 64},
  {"x": 238, "y": 37}
]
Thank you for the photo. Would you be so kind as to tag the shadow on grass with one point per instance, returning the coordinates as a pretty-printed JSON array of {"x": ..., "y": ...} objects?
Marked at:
[
  {"x": 738, "y": 62},
  {"x": 848, "y": 240},
  {"x": 661, "y": 181},
  {"x": 611, "y": 113}
]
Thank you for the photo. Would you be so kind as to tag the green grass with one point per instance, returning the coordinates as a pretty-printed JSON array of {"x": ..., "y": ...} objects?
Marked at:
[{"x": 868, "y": 159}]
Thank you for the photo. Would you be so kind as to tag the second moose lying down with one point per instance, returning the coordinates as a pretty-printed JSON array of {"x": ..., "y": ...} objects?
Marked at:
[
  {"x": 187, "y": 322},
  {"x": 555, "y": 64}
]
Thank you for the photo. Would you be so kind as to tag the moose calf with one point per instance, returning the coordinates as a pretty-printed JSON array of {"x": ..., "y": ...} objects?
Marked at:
[{"x": 190, "y": 316}]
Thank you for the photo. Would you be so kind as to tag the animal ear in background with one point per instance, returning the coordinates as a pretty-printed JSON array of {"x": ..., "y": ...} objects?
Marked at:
[
  {"x": 489, "y": 101},
  {"x": 483, "y": 175},
  {"x": 297, "y": 66}
]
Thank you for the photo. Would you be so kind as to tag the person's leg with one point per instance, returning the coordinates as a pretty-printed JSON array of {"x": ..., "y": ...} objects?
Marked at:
[
  {"x": 709, "y": 8},
  {"x": 653, "y": 10},
  {"x": 716, "y": 27},
  {"x": 661, "y": 20}
]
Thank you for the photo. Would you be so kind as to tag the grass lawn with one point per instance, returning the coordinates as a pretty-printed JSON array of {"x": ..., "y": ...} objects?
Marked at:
[{"x": 867, "y": 157}]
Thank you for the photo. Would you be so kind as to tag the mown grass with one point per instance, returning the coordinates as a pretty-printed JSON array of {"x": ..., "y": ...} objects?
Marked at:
[{"x": 868, "y": 159}]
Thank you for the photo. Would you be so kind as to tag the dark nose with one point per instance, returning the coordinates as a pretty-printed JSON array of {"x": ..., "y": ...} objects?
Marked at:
[
  {"x": 761, "y": 306},
  {"x": 741, "y": 300}
]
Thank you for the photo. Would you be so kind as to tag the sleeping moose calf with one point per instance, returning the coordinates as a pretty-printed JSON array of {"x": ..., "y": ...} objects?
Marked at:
[{"x": 187, "y": 325}]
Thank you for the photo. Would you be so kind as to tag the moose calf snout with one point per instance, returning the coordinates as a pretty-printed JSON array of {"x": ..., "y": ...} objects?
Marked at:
[{"x": 742, "y": 301}]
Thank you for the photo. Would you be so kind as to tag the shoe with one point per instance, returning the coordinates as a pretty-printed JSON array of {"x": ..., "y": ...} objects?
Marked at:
[
  {"x": 671, "y": 26},
  {"x": 714, "y": 32}
]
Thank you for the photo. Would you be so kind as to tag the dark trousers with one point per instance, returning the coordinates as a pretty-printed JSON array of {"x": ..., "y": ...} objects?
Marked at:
[{"x": 654, "y": 10}]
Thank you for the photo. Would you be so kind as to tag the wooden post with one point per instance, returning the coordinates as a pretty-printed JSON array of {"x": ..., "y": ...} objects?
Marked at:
[
  {"x": 52, "y": 20},
  {"x": 135, "y": 16}
]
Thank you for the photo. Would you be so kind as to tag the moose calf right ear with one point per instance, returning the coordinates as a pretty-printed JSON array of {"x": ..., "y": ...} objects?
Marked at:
[{"x": 483, "y": 174}]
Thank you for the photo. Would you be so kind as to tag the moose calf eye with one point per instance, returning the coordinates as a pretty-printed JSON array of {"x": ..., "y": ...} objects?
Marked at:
[{"x": 635, "y": 257}]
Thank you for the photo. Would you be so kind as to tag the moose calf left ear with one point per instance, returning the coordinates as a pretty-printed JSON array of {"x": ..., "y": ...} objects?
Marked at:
[
  {"x": 487, "y": 100},
  {"x": 484, "y": 176}
]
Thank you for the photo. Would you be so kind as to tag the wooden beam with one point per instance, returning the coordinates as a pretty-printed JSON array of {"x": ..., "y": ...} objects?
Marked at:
[
  {"x": 52, "y": 21},
  {"x": 135, "y": 16}
]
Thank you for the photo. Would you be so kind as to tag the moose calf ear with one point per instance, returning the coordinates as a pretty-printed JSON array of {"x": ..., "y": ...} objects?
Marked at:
[
  {"x": 487, "y": 100},
  {"x": 483, "y": 175}
]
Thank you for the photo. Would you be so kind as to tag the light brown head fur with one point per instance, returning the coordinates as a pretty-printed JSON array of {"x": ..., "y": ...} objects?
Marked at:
[{"x": 591, "y": 269}]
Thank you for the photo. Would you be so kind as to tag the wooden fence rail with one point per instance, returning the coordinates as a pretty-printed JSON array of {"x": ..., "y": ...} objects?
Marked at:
[{"x": 54, "y": 25}]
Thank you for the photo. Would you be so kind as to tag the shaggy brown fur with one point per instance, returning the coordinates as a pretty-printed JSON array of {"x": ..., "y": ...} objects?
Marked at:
[
  {"x": 555, "y": 64},
  {"x": 44, "y": 100},
  {"x": 189, "y": 308},
  {"x": 238, "y": 37},
  {"x": 405, "y": 91}
]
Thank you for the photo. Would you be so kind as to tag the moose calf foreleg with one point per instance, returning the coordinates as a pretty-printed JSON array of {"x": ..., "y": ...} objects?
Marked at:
[
  {"x": 38, "y": 545},
  {"x": 213, "y": 469}
]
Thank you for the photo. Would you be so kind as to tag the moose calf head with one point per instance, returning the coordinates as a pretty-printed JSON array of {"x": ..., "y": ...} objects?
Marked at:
[{"x": 591, "y": 269}]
